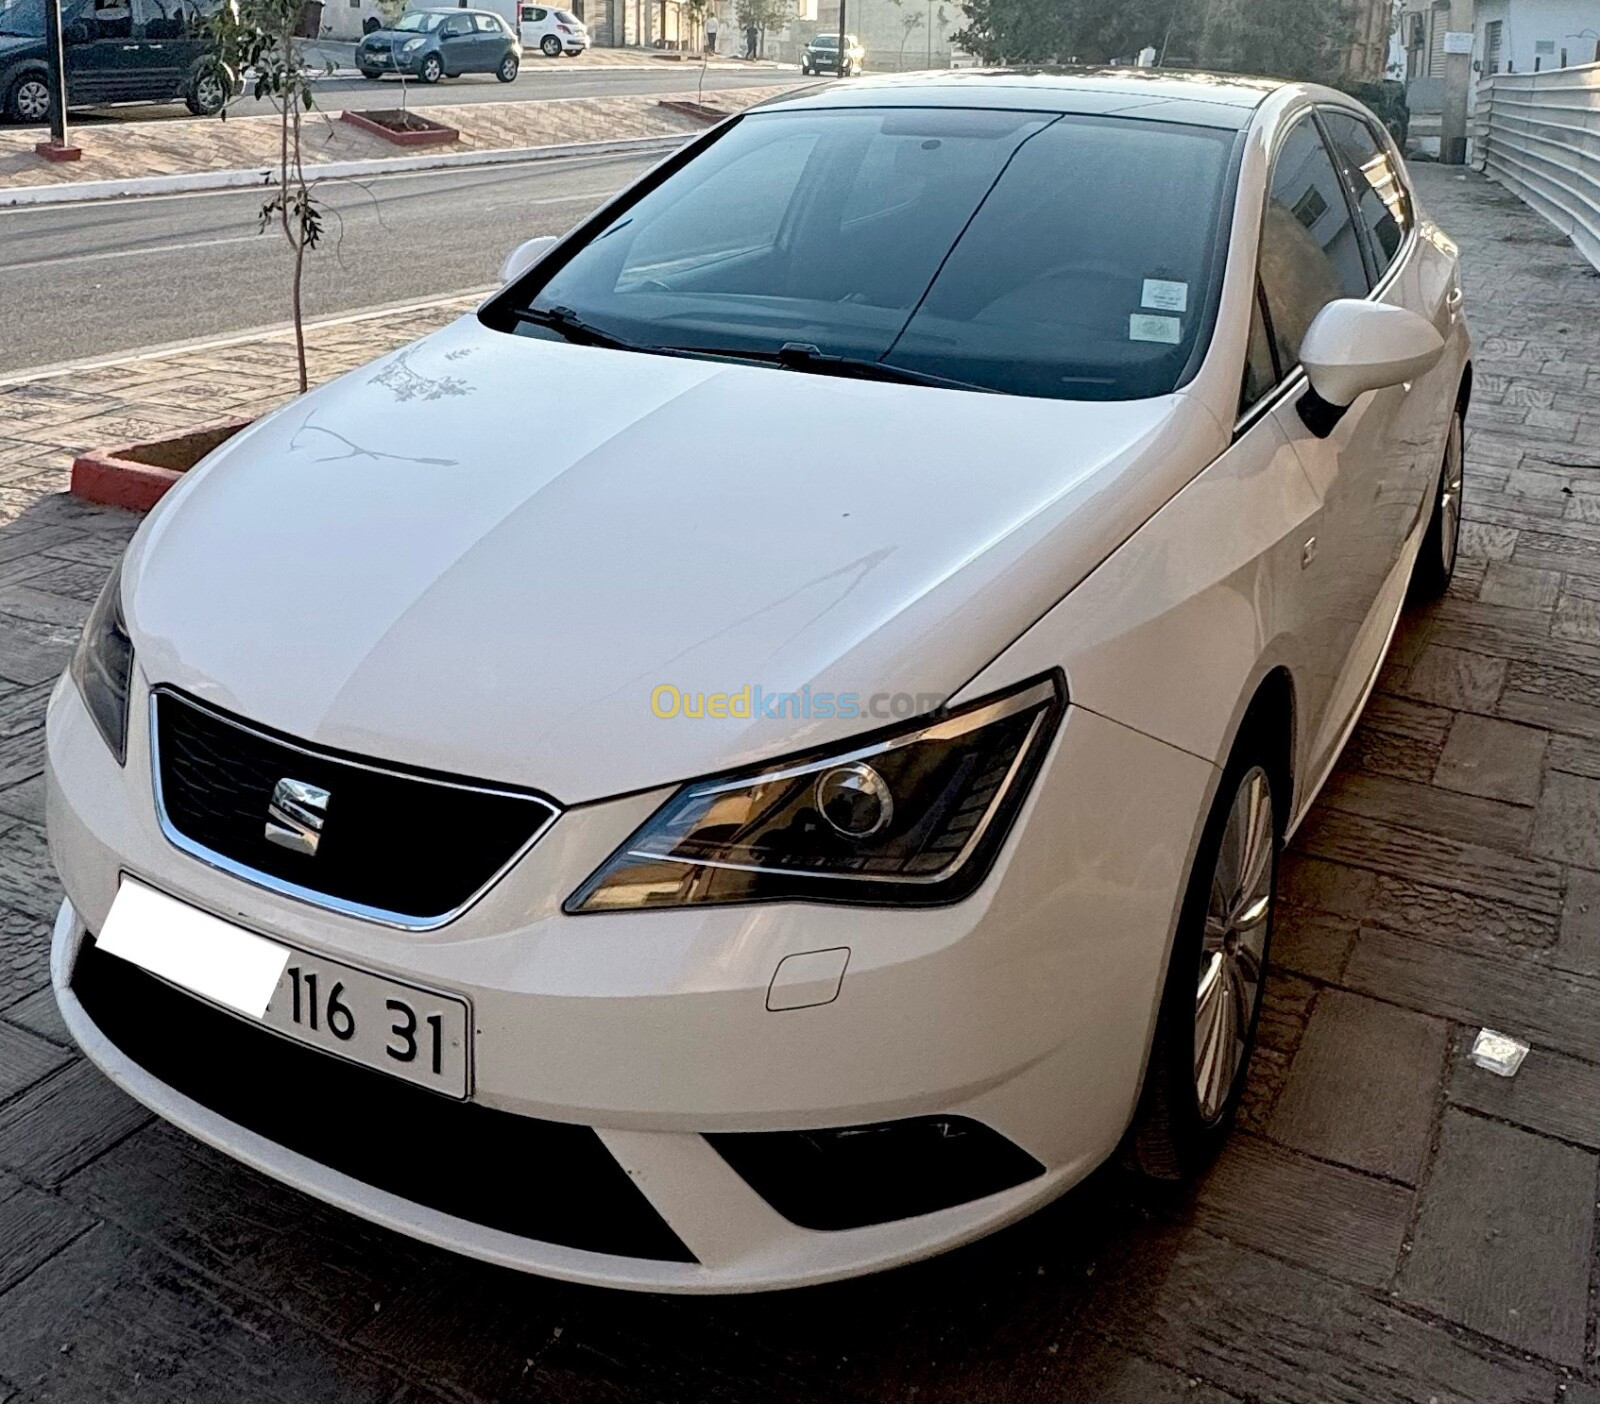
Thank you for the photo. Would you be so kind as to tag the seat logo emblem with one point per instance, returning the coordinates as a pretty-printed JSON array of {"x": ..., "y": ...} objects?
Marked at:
[{"x": 296, "y": 816}]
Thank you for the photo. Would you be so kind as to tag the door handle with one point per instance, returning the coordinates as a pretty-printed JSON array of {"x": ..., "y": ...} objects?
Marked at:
[{"x": 1452, "y": 301}]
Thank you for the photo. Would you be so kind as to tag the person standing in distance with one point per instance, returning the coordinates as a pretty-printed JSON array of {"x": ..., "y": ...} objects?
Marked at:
[{"x": 711, "y": 32}]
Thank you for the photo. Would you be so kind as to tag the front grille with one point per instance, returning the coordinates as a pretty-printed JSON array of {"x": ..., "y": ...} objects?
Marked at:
[
  {"x": 543, "y": 1180},
  {"x": 397, "y": 845}
]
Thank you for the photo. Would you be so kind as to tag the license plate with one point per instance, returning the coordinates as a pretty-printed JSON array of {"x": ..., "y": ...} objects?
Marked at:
[{"x": 402, "y": 1029}]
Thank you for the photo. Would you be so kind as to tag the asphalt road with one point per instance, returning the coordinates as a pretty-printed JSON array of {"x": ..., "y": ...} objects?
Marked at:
[
  {"x": 108, "y": 276},
  {"x": 539, "y": 78}
]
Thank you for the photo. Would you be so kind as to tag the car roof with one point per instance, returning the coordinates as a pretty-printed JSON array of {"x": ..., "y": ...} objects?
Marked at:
[{"x": 1175, "y": 95}]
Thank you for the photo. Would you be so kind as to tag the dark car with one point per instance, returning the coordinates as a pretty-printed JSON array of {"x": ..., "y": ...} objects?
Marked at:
[
  {"x": 117, "y": 51},
  {"x": 435, "y": 44},
  {"x": 821, "y": 55}
]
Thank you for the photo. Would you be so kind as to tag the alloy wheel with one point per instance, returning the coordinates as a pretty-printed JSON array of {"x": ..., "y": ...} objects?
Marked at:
[
  {"x": 1450, "y": 497},
  {"x": 1233, "y": 946},
  {"x": 32, "y": 100},
  {"x": 208, "y": 92}
]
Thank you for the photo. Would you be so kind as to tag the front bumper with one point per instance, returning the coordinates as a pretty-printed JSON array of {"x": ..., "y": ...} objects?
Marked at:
[{"x": 1026, "y": 1008}]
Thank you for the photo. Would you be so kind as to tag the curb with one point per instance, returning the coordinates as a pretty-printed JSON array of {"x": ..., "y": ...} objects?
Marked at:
[{"x": 74, "y": 191}]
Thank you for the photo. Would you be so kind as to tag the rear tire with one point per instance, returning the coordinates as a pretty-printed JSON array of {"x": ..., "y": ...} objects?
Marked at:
[
  {"x": 507, "y": 72},
  {"x": 550, "y": 46},
  {"x": 1211, "y": 1005},
  {"x": 1436, "y": 561},
  {"x": 371, "y": 74},
  {"x": 30, "y": 99}
]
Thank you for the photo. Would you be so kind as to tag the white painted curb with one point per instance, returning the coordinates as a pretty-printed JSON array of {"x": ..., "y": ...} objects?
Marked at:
[{"x": 72, "y": 192}]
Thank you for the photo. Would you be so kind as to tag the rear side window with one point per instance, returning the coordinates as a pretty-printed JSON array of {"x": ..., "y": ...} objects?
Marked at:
[
  {"x": 486, "y": 24},
  {"x": 1380, "y": 197},
  {"x": 1310, "y": 251}
]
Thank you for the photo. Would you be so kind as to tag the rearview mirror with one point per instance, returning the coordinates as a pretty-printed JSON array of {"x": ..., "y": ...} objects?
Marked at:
[
  {"x": 1353, "y": 346},
  {"x": 524, "y": 256}
]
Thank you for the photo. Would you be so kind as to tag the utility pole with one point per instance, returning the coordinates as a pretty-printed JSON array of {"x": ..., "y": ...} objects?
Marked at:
[
  {"x": 841, "y": 38},
  {"x": 1457, "y": 83},
  {"x": 58, "y": 148}
]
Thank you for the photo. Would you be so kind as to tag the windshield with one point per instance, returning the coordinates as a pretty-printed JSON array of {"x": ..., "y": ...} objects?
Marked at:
[
  {"x": 567, "y": 18},
  {"x": 1031, "y": 253},
  {"x": 825, "y": 41},
  {"x": 419, "y": 22},
  {"x": 22, "y": 17}
]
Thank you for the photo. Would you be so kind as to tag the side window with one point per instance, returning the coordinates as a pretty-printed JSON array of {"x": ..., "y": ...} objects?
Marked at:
[
  {"x": 1260, "y": 363},
  {"x": 1380, "y": 196},
  {"x": 113, "y": 19},
  {"x": 1310, "y": 252},
  {"x": 456, "y": 26},
  {"x": 486, "y": 24}
]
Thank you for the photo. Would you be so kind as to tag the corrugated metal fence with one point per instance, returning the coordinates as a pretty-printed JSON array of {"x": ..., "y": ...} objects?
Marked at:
[{"x": 1538, "y": 134}]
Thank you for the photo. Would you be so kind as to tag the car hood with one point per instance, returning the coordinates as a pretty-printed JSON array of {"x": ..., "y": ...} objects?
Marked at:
[{"x": 483, "y": 553}]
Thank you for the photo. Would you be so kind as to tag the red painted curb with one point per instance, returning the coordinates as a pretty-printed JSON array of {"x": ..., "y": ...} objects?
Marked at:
[
  {"x": 112, "y": 477},
  {"x": 437, "y": 135}
]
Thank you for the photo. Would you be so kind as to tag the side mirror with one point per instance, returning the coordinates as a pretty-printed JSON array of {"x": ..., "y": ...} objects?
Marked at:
[
  {"x": 1353, "y": 346},
  {"x": 525, "y": 255}
]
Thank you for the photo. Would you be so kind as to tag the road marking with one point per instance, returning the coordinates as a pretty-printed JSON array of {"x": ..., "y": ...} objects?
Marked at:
[
  {"x": 126, "y": 253},
  {"x": 178, "y": 348}
]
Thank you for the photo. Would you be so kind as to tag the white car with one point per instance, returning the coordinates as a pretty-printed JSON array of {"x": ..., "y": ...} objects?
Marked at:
[
  {"x": 553, "y": 32},
  {"x": 809, "y": 808}
]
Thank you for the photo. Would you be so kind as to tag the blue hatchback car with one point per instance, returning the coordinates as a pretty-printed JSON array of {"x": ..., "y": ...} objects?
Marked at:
[{"x": 435, "y": 44}]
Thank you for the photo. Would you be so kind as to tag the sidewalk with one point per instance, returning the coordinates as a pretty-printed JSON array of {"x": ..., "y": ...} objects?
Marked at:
[
  {"x": 120, "y": 152},
  {"x": 341, "y": 56},
  {"x": 1389, "y": 1223}
]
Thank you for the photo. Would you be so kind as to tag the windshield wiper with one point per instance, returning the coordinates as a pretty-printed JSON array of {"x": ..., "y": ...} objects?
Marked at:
[
  {"x": 574, "y": 328},
  {"x": 803, "y": 356}
]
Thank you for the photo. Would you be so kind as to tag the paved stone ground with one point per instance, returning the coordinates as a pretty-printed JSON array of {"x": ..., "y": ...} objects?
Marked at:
[
  {"x": 126, "y": 150},
  {"x": 1390, "y": 1223}
]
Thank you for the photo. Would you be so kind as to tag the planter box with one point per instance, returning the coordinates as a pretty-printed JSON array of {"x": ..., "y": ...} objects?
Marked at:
[
  {"x": 135, "y": 475},
  {"x": 700, "y": 111},
  {"x": 402, "y": 128}
]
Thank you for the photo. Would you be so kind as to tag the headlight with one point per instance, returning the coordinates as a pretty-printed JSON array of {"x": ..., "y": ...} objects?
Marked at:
[
  {"x": 912, "y": 817},
  {"x": 411, "y": 44},
  {"x": 103, "y": 664}
]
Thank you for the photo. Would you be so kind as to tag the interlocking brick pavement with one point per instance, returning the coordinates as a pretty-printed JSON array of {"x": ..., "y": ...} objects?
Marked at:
[
  {"x": 135, "y": 149},
  {"x": 1390, "y": 1222}
]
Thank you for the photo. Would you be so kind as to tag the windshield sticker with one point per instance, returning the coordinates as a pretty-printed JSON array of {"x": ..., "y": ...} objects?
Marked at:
[
  {"x": 1142, "y": 327},
  {"x": 1165, "y": 295}
]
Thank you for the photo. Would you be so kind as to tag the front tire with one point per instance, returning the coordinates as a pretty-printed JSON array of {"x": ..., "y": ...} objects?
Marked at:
[
  {"x": 507, "y": 72},
  {"x": 550, "y": 46},
  {"x": 432, "y": 69},
  {"x": 29, "y": 99},
  {"x": 208, "y": 93},
  {"x": 1436, "y": 561},
  {"x": 1211, "y": 1006}
]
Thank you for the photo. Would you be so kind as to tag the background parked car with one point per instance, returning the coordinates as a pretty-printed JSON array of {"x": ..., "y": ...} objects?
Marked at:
[
  {"x": 117, "y": 51},
  {"x": 435, "y": 44},
  {"x": 552, "y": 32},
  {"x": 821, "y": 55}
]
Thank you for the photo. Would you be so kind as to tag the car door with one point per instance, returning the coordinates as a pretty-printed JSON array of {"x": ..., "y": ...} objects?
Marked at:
[
  {"x": 489, "y": 42},
  {"x": 1313, "y": 251},
  {"x": 162, "y": 27},
  {"x": 456, "y": 44},
  {"x": 534, "y": 24},
  {"x": 1385, "y": 212},
  {"x": 103, "y": 54}
]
